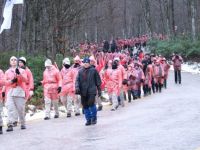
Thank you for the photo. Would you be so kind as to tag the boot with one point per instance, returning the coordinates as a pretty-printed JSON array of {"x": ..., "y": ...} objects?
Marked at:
[
  {"x": 23, "y": 127},
  {"x": 69, "y": 115},
  {"x": 46, "y": 118},
  {"x": 15, "y": 124},
  {"x": 100, "y": 108},
  {"x": 56, "y": 116},
  {"x": 10, "y": 128},
  {"x": 1, "y": 130},
  {"x": 88, "y": 123},
  {"x": 94, "y": 120},
  {"x": 77, "y": 114}
]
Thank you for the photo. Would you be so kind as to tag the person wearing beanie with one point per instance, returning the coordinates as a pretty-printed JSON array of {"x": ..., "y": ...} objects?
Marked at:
[
  {"x": 88, "y": 82},
  {"x": 15, "y": 89},
  {"x": 52, "y": 84}
]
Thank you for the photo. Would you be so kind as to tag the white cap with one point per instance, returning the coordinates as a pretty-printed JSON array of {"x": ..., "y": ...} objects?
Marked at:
[
  {"x": 13, "y": 57},
  {"x": 116, "y": 58},
  {"x": 66, "y": 61},
  {"x": 48, "y": 63},
  {"x": 23, "y": 59}
]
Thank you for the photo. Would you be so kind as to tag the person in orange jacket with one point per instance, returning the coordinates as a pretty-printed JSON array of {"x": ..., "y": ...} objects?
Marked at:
[
  {"x": 132, "y": 82},
  {"x": 122, "y": 72},
  {"x": 2, "y": 96},
  {"x": 29, "y": 83},
  {"x": 68, "y": 86},
  {"x": 158, "y": 74},
  {"x": 108, "y": 71},
  {"x": 116, "y": 84},
  {"x": 140, "y": 77},
  {"x": 77, "y": 99},
  {"x": 15, "y": 89},
  {"x": 52, "y": 83},
  {"x": 166, "y": 67},
  {"x": 148, "y": 80},
  {"x": 177, "y": 61}
]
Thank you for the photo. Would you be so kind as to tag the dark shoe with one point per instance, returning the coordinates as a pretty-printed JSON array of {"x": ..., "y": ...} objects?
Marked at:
[
  {"x": 77, "y": 114},
  {"x": 23, "y": 127},
  {"x": 1, "y": 130},
  {"x": 56, "y": 116},
  {"x": 46, "y": 118},
  {"x": 88, "y": 123},
  {"x": 100, "y": 108},
  {"x": 10, "y": 128},
  {"x": 94, "y": 121},
  {"x": 15, "y": 124},
  {"x": 112, "y": 109},
  {"x": 69, "y": 115}
]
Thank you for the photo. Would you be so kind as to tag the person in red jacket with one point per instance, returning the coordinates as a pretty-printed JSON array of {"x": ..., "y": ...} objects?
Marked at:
[
  {"x": 166, "y": 67},
  {"x": 29, "y": 83},
  {"x": 15, "y": 87},
  {"x": 158, "y": 73},
  {"x": 52, "y": 83},
  {"x": 177, "y": 61},
  {"x": 115, "y": 78},
  {"x": 68, "y": 86}
]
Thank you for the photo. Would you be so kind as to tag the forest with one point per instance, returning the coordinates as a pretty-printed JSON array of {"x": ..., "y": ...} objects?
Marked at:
[{"x": 51, "y": 27}]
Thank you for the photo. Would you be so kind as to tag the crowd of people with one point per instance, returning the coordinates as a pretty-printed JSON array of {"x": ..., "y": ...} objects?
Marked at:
[{"x": 79, "y": 84}]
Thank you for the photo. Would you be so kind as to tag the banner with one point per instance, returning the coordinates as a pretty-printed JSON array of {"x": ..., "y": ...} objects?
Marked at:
[{"x": 7, "y": 14}]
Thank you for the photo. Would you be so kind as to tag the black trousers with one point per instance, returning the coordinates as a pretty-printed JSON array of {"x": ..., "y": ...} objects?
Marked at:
[
  {"x": 88, "y": 100},
  {"x": 177, "y": 76}
]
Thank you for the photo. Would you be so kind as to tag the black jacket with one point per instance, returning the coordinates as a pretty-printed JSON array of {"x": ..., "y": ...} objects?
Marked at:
[{"x": 90, "y": 84}]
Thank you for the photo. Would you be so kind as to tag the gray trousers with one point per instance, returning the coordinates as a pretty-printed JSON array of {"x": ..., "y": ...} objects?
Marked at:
[
  {"x": 48, "y": 103},
  {"x": 98, "y": 100},
  {"x": 67, "y": 101},
  {"x": 114, "y": 101},
  {"x": 15, "y": 107},
  {"x": 122, "y": 98},
  {"x": 1, "y": 110}
]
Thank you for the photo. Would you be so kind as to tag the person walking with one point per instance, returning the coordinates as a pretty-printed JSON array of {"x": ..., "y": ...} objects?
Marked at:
[
  {"x": 177, "y": 61},
  {"x": 88, "y": 82},
  {"x": 15, "y": 86},
  {"x": 52, "y": 83}
]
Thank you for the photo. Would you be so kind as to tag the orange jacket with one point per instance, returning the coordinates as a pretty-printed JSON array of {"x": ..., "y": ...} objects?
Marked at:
[
  {"x": 51, "y": 81},
  {"x": 22, "y": 79},
  {"x": 68, "y": 81}
]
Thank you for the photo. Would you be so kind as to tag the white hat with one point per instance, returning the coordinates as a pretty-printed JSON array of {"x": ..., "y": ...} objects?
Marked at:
[
  {"x": 66, "y": 61},
  {"x": 116, "y": 58},
  {"x": 13, "y": 57},
  {"x": 23, "y": 59},
  {"x": 48, "y": 63}
]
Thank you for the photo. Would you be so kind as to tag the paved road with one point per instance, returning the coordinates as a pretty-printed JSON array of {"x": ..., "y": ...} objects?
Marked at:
[{"x": 166, "y": 121}]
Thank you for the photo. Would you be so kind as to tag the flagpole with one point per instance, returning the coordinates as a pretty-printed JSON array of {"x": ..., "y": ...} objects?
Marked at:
[{"x": 20, "y": 30}]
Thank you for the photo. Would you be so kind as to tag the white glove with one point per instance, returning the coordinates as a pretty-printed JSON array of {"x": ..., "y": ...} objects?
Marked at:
[{"x": 31, "y": 93}]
